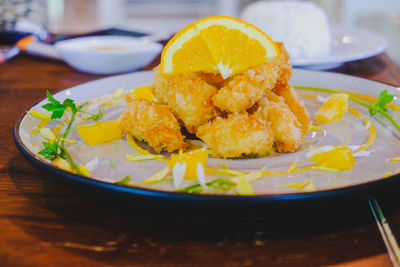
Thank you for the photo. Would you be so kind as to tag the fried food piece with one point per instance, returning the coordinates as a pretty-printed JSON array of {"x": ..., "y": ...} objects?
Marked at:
[
  {"x": 292, "y": 99},
  {"x": 189, "y": 99},
  {"x": 239, "y": 134},
  {"x": 284, "y": 124},
  {"x": 245, "y": 89},
  {"x": 284, "y": 67},
  {"x": 160, "y": 85},
  {"x": 153, "y": 123},
  {"x": 213, "y": 79}
]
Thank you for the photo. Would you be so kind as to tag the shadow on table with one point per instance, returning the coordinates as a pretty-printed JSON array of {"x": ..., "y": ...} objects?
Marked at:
[{"x": 104, "y": 226}]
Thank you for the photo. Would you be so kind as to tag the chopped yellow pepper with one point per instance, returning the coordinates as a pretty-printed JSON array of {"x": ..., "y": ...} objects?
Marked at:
[
  {"x": 100, "y": 132},
  {"x": 333, "y": 157}
]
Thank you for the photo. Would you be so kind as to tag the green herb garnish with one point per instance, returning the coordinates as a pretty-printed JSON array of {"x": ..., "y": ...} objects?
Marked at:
[
  {"x": 57, "y": 108},
  {"x": 380, "y": 106},
  {"x": 222, "y": 184},
  {"x": 112, "y": 163},
  {"x": 219, "y": 183},
  {"x": 56, "y": 149},
  {"x": 97, "y": 116},
  {"x": 124, "y": 181},
  {"x": 51, "y": 151},
  {"x": 193, "y": 189}
]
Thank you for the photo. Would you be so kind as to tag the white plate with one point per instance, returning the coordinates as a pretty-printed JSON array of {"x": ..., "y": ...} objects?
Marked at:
[
  {"x": 349, "y": 131},
  {"x": 348, "y": 44}
]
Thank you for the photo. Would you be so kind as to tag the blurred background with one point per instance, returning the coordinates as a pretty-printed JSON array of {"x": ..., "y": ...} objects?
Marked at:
[{"x": 164, "y": 17}]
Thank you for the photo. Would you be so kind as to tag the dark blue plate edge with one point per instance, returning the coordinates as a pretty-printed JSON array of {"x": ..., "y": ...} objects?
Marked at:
[{"x": 362, "y": 191}]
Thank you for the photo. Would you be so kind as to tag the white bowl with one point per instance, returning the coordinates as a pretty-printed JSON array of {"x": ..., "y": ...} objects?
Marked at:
[{"x": 108, "y": 54}]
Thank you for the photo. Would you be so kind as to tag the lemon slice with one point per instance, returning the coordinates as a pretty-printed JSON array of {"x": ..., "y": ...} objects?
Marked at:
[{"x": 218, "y": 44}]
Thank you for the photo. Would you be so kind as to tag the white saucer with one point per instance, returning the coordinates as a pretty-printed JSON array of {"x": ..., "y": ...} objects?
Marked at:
[
  {"x": 108, "y": 54},
  {"x": 348, "y": 44}
]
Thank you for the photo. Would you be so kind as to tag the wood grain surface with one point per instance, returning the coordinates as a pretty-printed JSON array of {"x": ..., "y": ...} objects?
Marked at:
[{"x": 45, "y": 221}]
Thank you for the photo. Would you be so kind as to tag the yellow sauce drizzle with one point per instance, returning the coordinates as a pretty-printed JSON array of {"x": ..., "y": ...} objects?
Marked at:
[
  {"x": 298, "y": 186},
  {"x": 394, "y": 159},
  {"x": 355, "y": 112},
  {"x": 274, "y": 173},
  {"x": 314, "y": 127},
  {"x": 56, "y": 130},
  {"x": 310, "y": 187},
  {"x": 293, "y": 167},
  {"x": 372, "y": 135},
  {"x": 308, "y": 96},
  {"x": 39, "y": 126},
  {"x": 224, "y": 172}
]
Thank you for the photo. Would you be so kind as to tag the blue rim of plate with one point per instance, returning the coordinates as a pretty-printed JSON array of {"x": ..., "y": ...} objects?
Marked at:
[{"x": 365, "y": 190}]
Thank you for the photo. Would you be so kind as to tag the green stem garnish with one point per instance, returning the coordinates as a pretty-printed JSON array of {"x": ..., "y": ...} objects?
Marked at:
[
  {"x": 112, "y": 163},
  {"x": 95, "y": 117},
  {"x": 374, "y": 108},
  {"x": 71, "y": 160},
  {"x": 219, "y": 183}
]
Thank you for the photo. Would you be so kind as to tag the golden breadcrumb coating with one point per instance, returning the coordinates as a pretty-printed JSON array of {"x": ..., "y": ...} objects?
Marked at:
[
  {"x": 213, "y": 79},
  {"x": 239, "y": 134},
  {"x": 284, "y": 124},
  {"x": 153, "y": 123},
  {"x": 160, "y": 85},
  {"x": 263, "y": 75},
  {"x": 245, "y": 89},
  {"x": 292, "y": 99},
  {"x": 190, "y": 100},
  {"x": 282, "y": 61}
]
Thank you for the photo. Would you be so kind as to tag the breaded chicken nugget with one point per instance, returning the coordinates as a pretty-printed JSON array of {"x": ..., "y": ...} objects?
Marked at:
[
  {"x": 285, "y": 126},
  {"x": 292, "y": 99},
  {"x": 190, "y": 100},
  {"x": 245, "y": 89},
  {"x": 153, "y": 123},
  {"x": 284, "y": 67},
  {"x": 239, "y": 134},
  {"x": 160, "y": 85}
]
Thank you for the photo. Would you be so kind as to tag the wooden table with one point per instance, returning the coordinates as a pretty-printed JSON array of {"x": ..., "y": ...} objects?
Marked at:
[{"x": 46, "y": 222}]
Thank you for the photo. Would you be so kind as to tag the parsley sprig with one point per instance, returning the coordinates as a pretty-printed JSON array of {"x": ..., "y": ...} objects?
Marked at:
[
  {"x": 56, "y": 149},
  {"x": 57, "y": 108},
  {"x": 51, "y": 151},
  {"x": 380, "y": 106}
]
